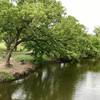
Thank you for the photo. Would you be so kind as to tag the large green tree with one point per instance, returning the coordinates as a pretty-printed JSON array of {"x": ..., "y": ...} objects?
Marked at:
[
  {"x": 97, "y": 31},
  {"x": 28, "y": 20},
  {"x": 70, "y": 32}
]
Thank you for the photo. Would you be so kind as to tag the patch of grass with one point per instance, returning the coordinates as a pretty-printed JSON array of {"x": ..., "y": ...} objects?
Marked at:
[
  {"x": 2, "y": 46},
  {"x": 23, "y": 57},
  {"x": 21, "y": 48},
  {"x": 6, "y": 76},
  {"x": 2, "y": 50}
]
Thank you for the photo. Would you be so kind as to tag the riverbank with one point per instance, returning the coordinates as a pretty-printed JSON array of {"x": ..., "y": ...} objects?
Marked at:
[{"x": 16, "y": 71}]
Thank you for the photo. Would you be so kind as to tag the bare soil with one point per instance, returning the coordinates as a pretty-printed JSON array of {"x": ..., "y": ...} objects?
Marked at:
[{"x": 16, "y": 68}]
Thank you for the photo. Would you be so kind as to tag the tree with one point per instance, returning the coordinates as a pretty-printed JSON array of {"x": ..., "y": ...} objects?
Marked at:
[
  {"x": 97, "y": 31},
  {"x": 70, "y": 32},
  {"x": 27, "y": 21}
]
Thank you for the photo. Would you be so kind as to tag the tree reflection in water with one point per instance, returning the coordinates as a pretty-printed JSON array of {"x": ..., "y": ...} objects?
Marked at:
[
  {"x": 53, "y": 82},
  {"x": 19, "y": 94}
]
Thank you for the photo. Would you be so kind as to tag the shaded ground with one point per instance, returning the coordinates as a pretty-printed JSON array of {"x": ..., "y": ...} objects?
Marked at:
[
  {"x": 16, "y": 67},
  {"x": 16, "y": 71}
]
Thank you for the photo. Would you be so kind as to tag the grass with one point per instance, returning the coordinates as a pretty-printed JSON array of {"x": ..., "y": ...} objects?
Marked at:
[
  {"x": 21, "y": 54},
  {"x": 23, "y": 57},
  {"x": 6, "y": 76},
  {"x": 2, "y": 46},
  {"x": 2, "y": 50}
]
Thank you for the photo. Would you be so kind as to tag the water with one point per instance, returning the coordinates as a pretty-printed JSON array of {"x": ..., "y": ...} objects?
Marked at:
[{"x": 57, "y": 82}]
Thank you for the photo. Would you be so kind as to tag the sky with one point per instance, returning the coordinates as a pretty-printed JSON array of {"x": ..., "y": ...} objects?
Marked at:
[{"x": 86, "y": 11}]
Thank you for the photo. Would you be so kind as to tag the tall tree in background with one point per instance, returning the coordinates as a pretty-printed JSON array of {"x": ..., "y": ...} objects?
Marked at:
[
  {"x": 70, "y": 32},
  {"x": 97, "y": 31}
]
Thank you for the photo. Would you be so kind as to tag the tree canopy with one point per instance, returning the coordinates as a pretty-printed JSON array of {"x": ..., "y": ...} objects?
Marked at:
[
  {"x": 28, "y": 22},
  {"x": 43, "y": 27}
]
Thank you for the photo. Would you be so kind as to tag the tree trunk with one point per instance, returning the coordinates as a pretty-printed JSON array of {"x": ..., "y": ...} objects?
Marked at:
[
  {"x": 15, "y": 48},
  {"x": 8, "y": 56},
  {"x": 8, "y": 47}
]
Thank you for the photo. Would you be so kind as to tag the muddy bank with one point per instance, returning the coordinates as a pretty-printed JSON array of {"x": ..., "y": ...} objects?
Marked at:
[{"x": 16, "y": 71}]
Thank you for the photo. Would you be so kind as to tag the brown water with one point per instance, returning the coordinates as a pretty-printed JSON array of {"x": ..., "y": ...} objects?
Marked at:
[{"x": 57, "y": 82}]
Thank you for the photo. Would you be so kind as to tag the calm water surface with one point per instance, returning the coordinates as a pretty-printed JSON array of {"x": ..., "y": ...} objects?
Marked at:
[{"x": 57, "y": 82}]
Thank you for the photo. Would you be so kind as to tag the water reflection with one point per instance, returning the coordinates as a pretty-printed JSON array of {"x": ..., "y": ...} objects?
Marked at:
[
  {"x": 19, "y": 94},
  {"x": 44, "y": 74},
  {"x": 88, "y": 88},
  {"x": 57, "y": 82},
  {"x": 62, "y": 65}
]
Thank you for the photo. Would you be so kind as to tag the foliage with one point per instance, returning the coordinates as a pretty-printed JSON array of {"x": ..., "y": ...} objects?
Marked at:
[
  {"x": 28, "y": 21},
  {"x": 43, "y": 27},
  {"x": 70, "y": 32},
  {"x": 97, "y": 31}
]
